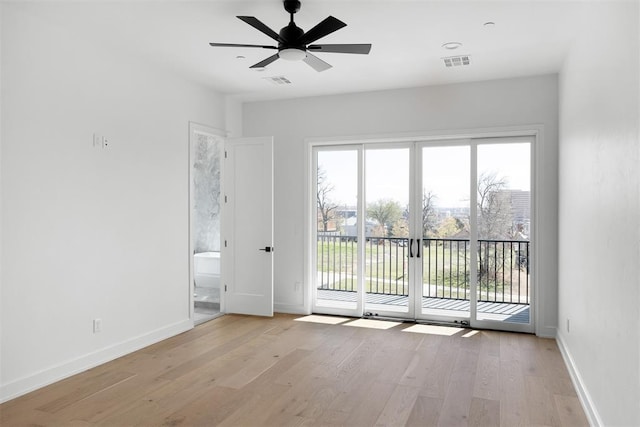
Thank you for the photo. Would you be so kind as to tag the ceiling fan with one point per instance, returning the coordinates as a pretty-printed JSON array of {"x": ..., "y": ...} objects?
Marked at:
[{"x": 294, "y": 44}]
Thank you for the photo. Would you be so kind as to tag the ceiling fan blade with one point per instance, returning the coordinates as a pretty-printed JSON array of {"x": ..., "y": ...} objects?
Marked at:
[
  {"x": 265, "y": 62},
  {"x": 242, "y": 45},
  {"x": 258, "y": 25},
  {"x": 316, "y": 63},
  {"x": 328, "y": 26},
  {"x": 341, "y": 48}
]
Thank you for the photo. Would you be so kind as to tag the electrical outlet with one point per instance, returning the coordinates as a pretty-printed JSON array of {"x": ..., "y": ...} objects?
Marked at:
[{"x": 97, "y": 325}]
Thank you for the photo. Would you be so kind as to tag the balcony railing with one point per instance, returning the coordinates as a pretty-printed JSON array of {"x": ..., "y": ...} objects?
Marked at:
[{"x": 502, "y": 269}]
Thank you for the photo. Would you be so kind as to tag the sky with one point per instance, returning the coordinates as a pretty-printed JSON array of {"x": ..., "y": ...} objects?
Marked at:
[{"x": 445, "y": 171}]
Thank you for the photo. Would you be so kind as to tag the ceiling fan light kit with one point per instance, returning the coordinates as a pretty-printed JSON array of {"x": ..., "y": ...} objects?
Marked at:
[
  {"x": 294, "y": 44},
  {"x": 291, "y": 54}
]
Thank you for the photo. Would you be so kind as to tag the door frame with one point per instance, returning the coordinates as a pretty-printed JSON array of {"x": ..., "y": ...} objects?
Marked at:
[
  {"x": 536, "y": 135},
  {"x": 199, "y": 129}
]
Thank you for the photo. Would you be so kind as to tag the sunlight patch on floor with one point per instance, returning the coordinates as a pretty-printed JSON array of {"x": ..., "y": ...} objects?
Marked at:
[
  {"x": 327, "y": 320},
  {"x": 470, "y": 334},
  {"x": 433, "y": 330},
  {"x": 373, "y": 324}
]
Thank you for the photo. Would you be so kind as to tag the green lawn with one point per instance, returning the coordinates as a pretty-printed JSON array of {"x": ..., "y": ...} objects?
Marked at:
[{"x": 445, "y": 268}]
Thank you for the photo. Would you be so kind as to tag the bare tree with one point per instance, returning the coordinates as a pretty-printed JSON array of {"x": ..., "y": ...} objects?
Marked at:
[
  {"x": 494, "y": 207},
  {"x": 429, "y": 217},
  {"x": 494, "y": 223},
  {"x": 326, "y": 206}
]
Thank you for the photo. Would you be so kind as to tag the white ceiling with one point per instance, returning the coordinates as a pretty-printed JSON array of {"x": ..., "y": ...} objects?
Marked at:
[{"x": 528, "y": 38}]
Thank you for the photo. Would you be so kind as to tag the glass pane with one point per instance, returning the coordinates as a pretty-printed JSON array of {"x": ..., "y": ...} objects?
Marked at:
[
  {"x": 504, "y": 221},
  {"x": 337, "y": 255},
  {"x": 445, "y": 231},
  {"x": 387, "y": 230}
]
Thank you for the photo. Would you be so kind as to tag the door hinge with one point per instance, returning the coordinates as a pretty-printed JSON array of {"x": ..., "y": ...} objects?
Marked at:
[
  {"x": 225, "y": 288},
  {"x": 225, "y": 154},
  {"x": 225, "y": 198},
  {"x": 225, "y": 243}
]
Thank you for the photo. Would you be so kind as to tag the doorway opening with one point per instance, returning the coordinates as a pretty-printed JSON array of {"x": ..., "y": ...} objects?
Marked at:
[
  {"x": 436, "y": 230},
  {"x": 206, "y": 153}
]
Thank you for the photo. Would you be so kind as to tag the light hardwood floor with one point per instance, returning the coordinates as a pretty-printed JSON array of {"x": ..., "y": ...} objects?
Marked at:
[{"x": 249, "y": 371}]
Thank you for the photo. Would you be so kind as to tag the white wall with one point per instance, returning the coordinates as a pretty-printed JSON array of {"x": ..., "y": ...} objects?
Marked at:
[
  {"x": 233, "y": 109},
  {"x": 599, "y": 215},
  {"x": 1, "y": 191},
  {"x": 504, "y": 103},
  {"x": 89, "y": 233}
]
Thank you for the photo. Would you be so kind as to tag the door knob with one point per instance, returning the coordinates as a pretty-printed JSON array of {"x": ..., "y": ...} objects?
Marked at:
[{"x": 267, "y": 249}]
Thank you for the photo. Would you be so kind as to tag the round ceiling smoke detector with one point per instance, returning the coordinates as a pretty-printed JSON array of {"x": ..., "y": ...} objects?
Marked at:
[{"x": 452, "y": 45}]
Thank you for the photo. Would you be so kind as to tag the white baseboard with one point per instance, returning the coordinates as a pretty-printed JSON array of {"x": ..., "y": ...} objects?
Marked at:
[
  {"x": 64, "y": 370},
  {"x": 585, "y": 398}
]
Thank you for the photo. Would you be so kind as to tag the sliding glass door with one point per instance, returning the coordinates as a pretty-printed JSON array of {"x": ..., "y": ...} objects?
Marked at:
[
  {"x": 444, "y": 231},
  {"x": 435, "y": 230},
  {"x": 503, "y": 218},
  {"x": 388, "y": 285},
  {"x": 337, "y": 288}
]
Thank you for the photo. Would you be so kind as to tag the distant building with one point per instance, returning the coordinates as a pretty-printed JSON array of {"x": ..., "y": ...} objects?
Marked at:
[
  {"x": 520, "y": 210},
  {"x": 350, "y": 227}
]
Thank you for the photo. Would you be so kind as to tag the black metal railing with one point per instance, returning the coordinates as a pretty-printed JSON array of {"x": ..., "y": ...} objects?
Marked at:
[{"x": 502, "y": 267}]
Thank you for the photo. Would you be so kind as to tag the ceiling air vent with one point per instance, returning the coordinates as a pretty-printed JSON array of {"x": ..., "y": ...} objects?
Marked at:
[
  {"x": 278, "y": 80},
  {"x": 455, "y": 61}
]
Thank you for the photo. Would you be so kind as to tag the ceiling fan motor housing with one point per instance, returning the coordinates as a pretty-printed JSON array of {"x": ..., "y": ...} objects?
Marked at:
[{"x": 291, "y": 36}]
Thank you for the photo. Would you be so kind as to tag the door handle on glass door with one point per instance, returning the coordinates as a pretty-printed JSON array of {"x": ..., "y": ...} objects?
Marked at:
[
  {"x": 267, "y": 249},
  {"x": 410, "y": 248}
]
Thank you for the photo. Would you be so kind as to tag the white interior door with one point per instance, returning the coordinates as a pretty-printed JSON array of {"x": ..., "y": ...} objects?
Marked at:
[{"x": 248, "y": 226}]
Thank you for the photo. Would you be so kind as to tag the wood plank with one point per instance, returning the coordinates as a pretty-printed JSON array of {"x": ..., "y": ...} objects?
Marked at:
[
  {"x": 255, "y": 409},
  {"x": 399, "y": 406},
  {"x": 484, "y": 412},
  {"x": 512, "y": 394},
  {"x": 440, "y": 369},
  {"x": 570, "y": 411},
  {"x": 540, "y": 404},
  {"x": 363, "y": 412},
  {"x": 86, "y": 389},
  {"x": 487, "y": 380},
  {"x": 184, "y": 364},
  {"x": 211, "y": 407},
  {"x": 457, "y": 402},
  {"x": 111, "y": 400},
  {"x": 425, "y": 412}
]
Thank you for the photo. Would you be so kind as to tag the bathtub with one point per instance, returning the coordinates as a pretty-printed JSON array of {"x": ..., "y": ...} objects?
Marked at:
[{"x": 206, "y": 269}]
